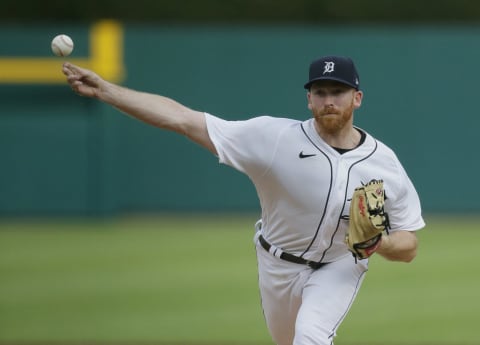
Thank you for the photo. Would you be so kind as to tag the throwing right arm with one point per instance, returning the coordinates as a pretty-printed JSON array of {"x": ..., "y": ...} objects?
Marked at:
[{"x": 153, "y": 109}]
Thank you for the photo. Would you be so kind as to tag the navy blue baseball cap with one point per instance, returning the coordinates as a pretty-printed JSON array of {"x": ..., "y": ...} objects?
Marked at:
[{"x": 338, "y": 68}]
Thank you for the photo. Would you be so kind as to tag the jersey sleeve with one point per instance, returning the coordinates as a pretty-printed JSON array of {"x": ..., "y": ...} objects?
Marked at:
[
  {"x": 404, "y": 208},
  {"x": 247, "y": 146}
]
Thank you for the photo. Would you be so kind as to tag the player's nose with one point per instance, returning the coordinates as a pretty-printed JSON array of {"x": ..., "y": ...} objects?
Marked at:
[{"x": 329, "y": 101}]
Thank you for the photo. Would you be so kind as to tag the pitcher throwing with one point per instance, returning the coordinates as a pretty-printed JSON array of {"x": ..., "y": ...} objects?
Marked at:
[{"x": 305, "y": 174}]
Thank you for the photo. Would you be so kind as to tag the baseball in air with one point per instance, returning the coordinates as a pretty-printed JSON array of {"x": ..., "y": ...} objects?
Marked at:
[{"x": 62, "y": 45}]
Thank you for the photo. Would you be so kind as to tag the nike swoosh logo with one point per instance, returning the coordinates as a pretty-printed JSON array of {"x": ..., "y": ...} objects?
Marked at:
[{"x": 303, "y": 155}]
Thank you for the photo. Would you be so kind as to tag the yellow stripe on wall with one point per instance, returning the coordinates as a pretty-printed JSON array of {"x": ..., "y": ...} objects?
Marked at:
[
  {"x": 106, "y": 58},
  {"x": 106, "y": 46}
]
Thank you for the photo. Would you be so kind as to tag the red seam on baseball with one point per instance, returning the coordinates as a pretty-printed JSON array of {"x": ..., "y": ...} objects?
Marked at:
[{"x": 64, "y": 40}]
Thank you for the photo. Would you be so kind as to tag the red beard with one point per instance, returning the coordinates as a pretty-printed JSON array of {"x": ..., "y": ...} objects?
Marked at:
[{"x": 333, "y": 124}]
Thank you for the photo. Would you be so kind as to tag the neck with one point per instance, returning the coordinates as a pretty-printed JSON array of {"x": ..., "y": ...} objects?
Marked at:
[{"x": 345, "y": 138}]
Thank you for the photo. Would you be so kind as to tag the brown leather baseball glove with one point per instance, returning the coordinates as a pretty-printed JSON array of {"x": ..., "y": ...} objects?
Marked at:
[{"x": 368, "y": 219}]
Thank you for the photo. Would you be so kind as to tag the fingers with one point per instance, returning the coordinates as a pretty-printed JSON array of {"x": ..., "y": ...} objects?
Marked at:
[
  {"x": 82, "y": 81},
  {"x": 74, "y": 76},
  {"x": 73, "y": 72},
  {"x": 68, "y": 69}
]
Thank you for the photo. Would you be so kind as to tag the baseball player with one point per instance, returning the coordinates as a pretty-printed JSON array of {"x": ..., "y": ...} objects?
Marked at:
[{"x": 305, "y": 173}]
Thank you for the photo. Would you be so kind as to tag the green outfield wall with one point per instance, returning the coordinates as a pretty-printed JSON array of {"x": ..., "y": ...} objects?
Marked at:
[{"x": 61, "y": 154}]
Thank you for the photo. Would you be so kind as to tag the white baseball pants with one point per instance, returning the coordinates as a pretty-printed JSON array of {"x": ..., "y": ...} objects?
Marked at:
[{"x": 304, "y": 306}]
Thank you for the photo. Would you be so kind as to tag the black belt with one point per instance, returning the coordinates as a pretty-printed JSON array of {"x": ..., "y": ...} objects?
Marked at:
[{"x": 292, "y": 258}]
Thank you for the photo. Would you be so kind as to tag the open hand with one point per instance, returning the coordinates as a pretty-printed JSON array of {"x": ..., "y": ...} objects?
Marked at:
[{"x": 83, "y": 81}]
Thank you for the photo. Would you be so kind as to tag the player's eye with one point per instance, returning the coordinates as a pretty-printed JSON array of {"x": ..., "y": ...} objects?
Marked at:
[
  {"x": 338, "y": 91},
  {"x": 320, "y": 92}
]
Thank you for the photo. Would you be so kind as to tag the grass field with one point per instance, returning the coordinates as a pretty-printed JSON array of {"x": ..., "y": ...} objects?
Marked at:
[{"x": 193, "y": 280}]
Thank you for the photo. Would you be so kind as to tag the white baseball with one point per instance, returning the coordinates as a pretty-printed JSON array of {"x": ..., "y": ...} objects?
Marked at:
[{"x": 62, "y": 45}]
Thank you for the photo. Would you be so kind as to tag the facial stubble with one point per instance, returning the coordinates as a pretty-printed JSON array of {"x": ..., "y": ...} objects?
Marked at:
[{"x": 333, "y": 121}]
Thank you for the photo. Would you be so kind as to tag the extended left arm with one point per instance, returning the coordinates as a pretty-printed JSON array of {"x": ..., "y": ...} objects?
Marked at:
[{"x": 399, "y": 246}]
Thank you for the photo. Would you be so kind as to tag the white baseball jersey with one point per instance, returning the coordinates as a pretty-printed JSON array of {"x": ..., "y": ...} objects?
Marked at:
[{"x": 305, "y": 186}]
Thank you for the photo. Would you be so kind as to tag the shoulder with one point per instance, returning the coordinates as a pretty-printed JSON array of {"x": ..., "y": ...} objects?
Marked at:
[
  {"x": 396, "y": 175},
  {"x": 381, "y": 150},
  {"x": 264, "y": 124},
  {"x": 261, "y": 119},
  {"x": 384, "y": 157},
  {"x": 247, "y": 145}
]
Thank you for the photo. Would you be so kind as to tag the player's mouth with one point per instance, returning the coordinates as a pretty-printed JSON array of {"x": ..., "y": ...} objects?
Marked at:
[{"x": 329, "y": 113}]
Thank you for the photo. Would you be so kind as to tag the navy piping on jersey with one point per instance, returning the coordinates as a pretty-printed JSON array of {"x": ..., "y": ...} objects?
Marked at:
[
  {"x": 363, "y": 136},
  {"x": 328, "y": 195},
  {"x": 362, "y": 140},
  {"x": 346, "y": 196}
]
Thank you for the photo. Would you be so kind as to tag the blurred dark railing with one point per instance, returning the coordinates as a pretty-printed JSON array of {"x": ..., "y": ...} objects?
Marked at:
[{"x": 257, "y": 11}]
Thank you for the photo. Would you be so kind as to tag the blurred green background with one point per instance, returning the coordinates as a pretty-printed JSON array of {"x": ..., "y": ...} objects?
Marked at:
[
  {"x": 112, "y": 231},
  {"x": 67, "y": 155}
]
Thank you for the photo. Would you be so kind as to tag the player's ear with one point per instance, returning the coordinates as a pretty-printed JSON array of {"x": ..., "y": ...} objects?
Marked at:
[
  {"x": 309, "y": 101},
  {"x": 357, "y": 99}
]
